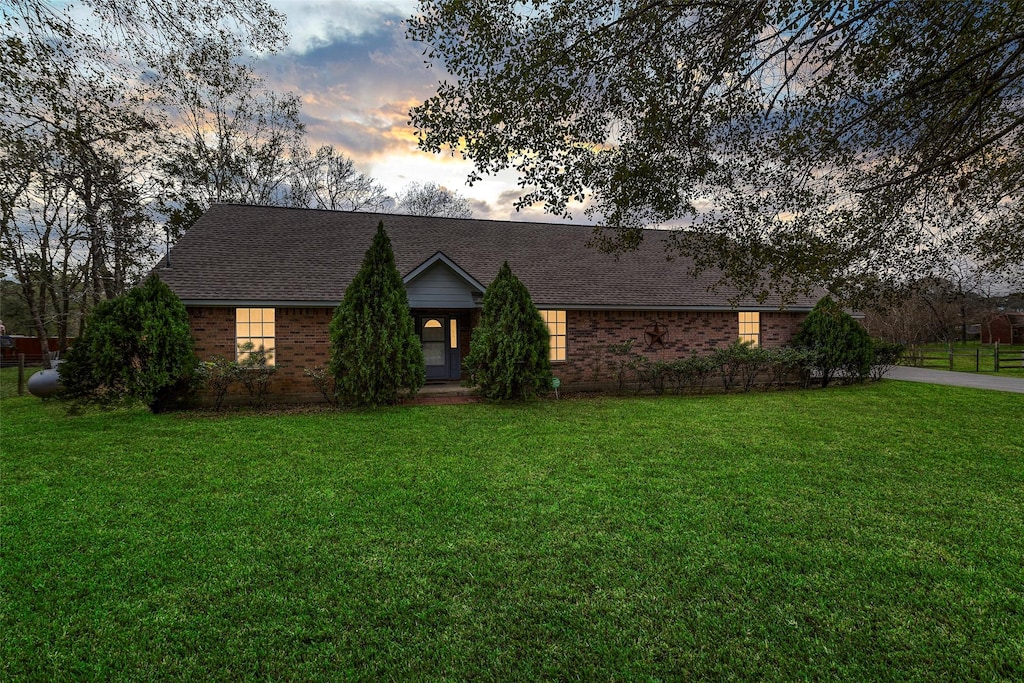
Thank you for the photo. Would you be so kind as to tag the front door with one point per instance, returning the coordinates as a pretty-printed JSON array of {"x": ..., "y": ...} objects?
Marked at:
[{"x": 440, "y": 338}]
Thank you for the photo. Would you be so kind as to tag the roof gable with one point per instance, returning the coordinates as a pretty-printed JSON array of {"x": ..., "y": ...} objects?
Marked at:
[
  {"x": 439, "y": 257},
  {"x": 439, "y": 282}
]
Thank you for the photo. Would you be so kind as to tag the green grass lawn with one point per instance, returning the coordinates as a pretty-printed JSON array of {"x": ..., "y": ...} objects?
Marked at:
[{"x": 871, "y": 532}]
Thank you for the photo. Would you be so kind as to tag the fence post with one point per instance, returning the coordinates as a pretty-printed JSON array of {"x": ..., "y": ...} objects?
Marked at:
[
  {"x": 951, "y": 357},
  {"x": 995, "y": 356},
  {"x": 977, "y": 359},
  {"x": 21, "y": 374}
]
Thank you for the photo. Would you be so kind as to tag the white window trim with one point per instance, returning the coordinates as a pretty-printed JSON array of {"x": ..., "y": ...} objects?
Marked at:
[
  {"x": 266, "y": 342},
  {"x": 560, "y": 318}
]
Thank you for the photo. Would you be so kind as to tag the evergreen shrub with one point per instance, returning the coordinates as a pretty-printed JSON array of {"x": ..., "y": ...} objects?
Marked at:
[
  {"x": 508, "y": 354},
  {"x": 841, "y": 347},
  {"x": 135, "y": 347},
  {"x": 376, "y": 357}
]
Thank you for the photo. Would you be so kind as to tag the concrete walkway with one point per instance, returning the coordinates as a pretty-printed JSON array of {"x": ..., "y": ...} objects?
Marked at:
[
  {"x": 443, "y": 393},
  {"x": 957, "y": 379}
]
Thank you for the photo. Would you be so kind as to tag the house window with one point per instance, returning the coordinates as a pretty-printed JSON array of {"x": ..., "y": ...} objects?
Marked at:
[
  {"x": 750, "y": 327},
  {"x": 432, "y": 336},
  {"x": 254, "y": 325},
  {"x": 555, "y": 321}
]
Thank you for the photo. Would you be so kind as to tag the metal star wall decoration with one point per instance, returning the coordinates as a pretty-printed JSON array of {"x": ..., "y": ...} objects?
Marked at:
[{"x": 654, "y": 335}]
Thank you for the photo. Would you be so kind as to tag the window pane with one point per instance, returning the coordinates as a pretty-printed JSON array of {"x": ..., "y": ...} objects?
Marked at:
[
  {"x": 432, "y": 331},
  {"x": 255, "y": 325},
  {"x": 433, "y": 353},
  {"x": 454, "y": 333},
  {"x": 555, "y": 321},
  {"x": 750, "y": 327}
]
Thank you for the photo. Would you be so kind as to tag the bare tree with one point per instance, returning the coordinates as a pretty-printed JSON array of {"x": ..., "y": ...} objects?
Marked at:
[
  {"x": 327, "y": 179},
  {"x": 431, "y": 199},
  {"x": 82, "y": 114},
  {"x": 230, "y": 139}
]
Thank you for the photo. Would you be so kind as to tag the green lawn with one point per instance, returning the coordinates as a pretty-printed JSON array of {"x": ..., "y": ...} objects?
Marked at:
[{"x": 871, "y": 532}]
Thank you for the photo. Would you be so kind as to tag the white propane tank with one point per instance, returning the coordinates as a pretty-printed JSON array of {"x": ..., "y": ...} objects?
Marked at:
[{"x": 45, "y": 383}]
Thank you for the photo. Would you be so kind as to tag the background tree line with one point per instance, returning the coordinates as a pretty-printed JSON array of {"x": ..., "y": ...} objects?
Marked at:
[{"x": 121, "y": 125}]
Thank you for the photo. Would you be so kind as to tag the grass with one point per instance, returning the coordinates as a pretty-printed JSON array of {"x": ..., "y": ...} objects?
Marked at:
[{"x": 871, "y": 533}]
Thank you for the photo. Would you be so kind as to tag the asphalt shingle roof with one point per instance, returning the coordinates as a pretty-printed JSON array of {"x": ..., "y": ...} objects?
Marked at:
[{"x": 246, "y": 254}]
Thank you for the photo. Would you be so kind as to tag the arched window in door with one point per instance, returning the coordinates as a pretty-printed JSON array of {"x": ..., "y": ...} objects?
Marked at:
[{"x": 432, "y": 335}]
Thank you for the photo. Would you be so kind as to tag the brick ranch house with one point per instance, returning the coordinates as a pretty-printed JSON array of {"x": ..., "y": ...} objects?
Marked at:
[{"x": 274, "y": 276}]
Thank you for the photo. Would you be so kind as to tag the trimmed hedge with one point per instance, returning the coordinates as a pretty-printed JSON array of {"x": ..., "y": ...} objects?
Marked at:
[{"x": 740, "y": 366}]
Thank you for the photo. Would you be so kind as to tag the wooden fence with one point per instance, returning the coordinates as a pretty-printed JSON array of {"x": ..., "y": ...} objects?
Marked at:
[
  {"x": 979, "y": 359},
  {"x": 29, "y": 347}
]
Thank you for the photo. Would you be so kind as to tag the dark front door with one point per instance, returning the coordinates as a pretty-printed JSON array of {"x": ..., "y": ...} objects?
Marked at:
[{"x": 440, "y": 337}]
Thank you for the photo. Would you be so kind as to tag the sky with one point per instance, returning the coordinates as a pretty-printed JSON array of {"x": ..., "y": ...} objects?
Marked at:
[{"x": 357, "y": 76}]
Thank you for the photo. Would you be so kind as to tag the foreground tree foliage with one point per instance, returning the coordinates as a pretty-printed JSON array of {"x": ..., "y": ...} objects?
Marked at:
[
  {"x": 509, "y": 352},
  {"x": 841, "y": 348},
  {"x": 802, "y": 142},
  {"x": 135, "y": 347},
  {"x": 376, "y": 357}
]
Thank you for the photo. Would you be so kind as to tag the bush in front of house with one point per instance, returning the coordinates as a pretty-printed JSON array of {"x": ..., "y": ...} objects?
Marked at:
[
  {"x": 135, "y": 347},
  {"x": 254, "y": 371},
  {"x": 622, "y": 359},
  {"x": 788, "y": 363},
  {"x": 508, "y": 353},
  {"x": 376, "y": 357},
  {"x": 886, "y": 355},
  {"x": 218, "y": 375},
  {"x": 324, "y": 383},
  {"x": 841, "y": 347},
  {"x": 740, "y": 364}
]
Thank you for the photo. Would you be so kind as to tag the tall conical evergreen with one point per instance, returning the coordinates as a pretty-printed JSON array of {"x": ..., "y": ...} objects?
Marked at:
[
  {"x": 375, "y": 353},
  {"x": 508, "y": 354}
]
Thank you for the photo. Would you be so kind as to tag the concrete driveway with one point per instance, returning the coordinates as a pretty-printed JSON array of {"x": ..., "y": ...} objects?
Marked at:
[{"x": 957, "y": 379}]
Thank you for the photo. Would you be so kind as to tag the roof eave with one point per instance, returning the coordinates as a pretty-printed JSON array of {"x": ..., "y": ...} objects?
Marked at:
[{"x": 250, "y": 303}]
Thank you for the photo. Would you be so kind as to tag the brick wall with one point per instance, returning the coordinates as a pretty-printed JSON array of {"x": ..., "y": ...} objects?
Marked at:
[
  {"x": 302, "y": 340},
  {"x": 590, "y": 333},
  {"x": 779, "y": 327}
]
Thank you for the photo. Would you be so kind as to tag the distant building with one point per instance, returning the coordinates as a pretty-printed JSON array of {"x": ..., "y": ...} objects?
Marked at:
[{"x": 1005, "y": 328}]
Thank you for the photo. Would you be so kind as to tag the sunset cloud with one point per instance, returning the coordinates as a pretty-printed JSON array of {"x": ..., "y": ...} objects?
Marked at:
[{"x": 357, "y": 77}]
